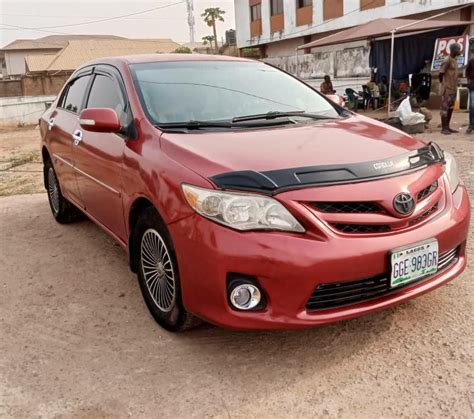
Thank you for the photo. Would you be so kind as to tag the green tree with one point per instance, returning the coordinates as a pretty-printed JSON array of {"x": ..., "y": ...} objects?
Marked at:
[
  {"x": 209, "y": 39},
  {"x": 211, "y": 15}
]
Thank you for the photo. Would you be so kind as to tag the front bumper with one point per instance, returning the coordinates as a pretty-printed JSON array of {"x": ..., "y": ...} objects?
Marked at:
[{"x": 289, "y": 267}]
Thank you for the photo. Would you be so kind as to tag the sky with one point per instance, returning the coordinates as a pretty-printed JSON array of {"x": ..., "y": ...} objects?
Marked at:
[{"x": 168, "y": 22}]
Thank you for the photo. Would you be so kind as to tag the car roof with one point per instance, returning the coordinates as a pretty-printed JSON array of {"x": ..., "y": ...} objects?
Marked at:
[{"x": 154, "y": 58}]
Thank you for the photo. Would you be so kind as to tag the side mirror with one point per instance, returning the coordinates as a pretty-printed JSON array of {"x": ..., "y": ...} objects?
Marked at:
[{"x": 99, "y": 120}]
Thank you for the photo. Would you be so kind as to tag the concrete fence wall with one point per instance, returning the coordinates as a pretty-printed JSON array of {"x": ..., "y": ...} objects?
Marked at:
[
  {"x": 341, "y": 84},
  {"x": 9, "y": 88},
  {"x": 342, "y": 63},
  {"x": 347, "y": 64},
  {"x": 43, "y": 85},
  {"x": 22, "y": 110}
]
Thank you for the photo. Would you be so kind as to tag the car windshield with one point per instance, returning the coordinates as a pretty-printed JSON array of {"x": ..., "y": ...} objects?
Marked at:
[{"x": 178, "y": 92}]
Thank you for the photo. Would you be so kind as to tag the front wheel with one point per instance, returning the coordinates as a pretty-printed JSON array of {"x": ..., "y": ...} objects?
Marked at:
[
  {"x": 158, "y": 273},
  {"x": 63, "y": 211}
]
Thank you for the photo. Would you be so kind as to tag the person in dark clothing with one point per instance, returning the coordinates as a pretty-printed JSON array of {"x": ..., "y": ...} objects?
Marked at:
[
  {"x": 326, "y": 86},
  {"x": 448, "y": 76},
  {"x": 470, "y": 86},
  {"x": 383, "y": 86}
]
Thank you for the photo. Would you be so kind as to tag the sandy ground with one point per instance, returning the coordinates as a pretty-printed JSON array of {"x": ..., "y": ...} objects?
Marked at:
[{"x": 76, "y": 340}]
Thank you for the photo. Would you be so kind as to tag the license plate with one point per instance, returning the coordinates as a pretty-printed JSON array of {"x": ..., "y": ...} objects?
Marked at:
[{"x": 413, "y": 262}]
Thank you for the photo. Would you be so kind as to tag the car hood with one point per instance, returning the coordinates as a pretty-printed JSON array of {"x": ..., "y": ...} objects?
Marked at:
[{"x": 351, "y": 140}]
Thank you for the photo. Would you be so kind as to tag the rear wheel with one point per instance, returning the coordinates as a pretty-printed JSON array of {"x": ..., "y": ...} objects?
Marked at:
[
  {"x": 63, "y": 211},
  {"x": 158, "y": 273}
]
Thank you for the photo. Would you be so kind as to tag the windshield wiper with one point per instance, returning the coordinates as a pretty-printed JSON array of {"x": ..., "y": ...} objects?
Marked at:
[
  {"x": 277, "y": 114},
  {"x": 194, "y": 124}
]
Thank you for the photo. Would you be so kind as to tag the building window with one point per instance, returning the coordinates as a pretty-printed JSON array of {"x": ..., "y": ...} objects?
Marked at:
[
  {"x": 371, "y": 4},
  {"x": 255, "y": 12},
  {"x": 304, "y": 12},
  {"x": 303, "y": 3},
  {"x": 255, "y": 18},
  {"x": 276, "y": 7}
]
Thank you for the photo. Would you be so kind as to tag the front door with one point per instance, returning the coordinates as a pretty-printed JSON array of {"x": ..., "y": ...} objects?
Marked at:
[
  {"x": 99, "y": 158},
  {"x": 62, "y": 123}
]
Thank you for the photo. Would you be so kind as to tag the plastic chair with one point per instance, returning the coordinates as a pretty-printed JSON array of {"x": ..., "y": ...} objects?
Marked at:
[{"x": 368, "y": 98}]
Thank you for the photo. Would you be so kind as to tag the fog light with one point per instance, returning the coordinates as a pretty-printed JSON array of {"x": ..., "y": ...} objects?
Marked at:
[{"x": 245, "y": 296}]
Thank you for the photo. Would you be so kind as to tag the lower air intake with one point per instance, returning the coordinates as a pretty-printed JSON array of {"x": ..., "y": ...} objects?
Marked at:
[{"x": 337, "y": 294}]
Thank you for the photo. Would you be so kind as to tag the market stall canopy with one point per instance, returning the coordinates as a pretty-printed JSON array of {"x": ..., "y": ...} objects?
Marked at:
[{"x": 382, "y": 27}]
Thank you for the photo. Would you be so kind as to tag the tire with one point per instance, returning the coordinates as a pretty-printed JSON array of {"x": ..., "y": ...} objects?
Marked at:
[
  {"x": 63, "y": 211},
  {"x": 158, "y": 274}
]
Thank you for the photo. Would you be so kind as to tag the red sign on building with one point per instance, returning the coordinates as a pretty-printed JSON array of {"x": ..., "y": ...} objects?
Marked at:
[{"x": 442, "y": 49}]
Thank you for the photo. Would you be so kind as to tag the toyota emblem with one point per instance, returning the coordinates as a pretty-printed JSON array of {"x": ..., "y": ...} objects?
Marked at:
[{"x": 404, "y": 203}]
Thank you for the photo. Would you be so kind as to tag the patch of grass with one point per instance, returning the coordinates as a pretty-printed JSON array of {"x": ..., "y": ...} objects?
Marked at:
[
  {"x": 21, "y": 159},
  {"x": 18, "y": 185}
]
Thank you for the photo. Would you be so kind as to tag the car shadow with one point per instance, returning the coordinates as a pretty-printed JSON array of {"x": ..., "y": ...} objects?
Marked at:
[{"x": 293, "y": 352}]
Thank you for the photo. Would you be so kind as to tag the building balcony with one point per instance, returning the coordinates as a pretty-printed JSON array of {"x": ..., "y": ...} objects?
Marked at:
[
  {"x": 256, "y": 28},
  {"x": 277, "y": 23}
]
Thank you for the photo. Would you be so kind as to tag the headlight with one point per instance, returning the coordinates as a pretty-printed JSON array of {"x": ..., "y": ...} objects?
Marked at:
[
  {"x": 241, "y": 211},
  {"x": 451, "y": 171}
]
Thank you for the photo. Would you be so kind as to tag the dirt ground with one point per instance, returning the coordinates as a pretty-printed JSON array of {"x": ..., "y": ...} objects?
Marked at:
[
  {"x": 20, "y": 161},
  {"x": 76, "y": 339}
]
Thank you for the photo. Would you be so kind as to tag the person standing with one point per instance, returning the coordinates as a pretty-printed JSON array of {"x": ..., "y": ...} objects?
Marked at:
[
  {"x": 326, "y": 86},
  {"x": 448, "y": 76},
  {"x": 383, "y": 87},
  {"x": 470, "y": 86}
]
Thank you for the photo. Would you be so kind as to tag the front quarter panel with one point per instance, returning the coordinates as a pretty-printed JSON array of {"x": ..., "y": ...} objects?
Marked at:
[{"x": 149, "y": 173}]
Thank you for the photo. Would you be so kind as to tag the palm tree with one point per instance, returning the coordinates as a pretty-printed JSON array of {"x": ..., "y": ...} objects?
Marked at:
[
  {"x": 209, "y": 39},
  {"x": 211, "y": 15}
]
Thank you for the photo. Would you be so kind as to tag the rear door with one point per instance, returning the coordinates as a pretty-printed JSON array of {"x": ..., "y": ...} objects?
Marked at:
[
  {"x": 99, "y": 156},
  {"x": 62, "y": 124}
]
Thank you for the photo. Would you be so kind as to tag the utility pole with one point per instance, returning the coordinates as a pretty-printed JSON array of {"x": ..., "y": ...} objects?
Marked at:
[{"x": 190, "y": 8}]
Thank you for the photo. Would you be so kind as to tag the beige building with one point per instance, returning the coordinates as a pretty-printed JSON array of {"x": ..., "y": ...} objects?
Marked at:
[
  {"x": 274, "y": 29},
  {"x": 80, "y": 51},
  {"x": 35, "y": 68},
  {"x": 12, "y": 56}
]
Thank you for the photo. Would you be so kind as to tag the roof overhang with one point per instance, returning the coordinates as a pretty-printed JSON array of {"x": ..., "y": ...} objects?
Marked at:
[{"x": 382, "y": 27}]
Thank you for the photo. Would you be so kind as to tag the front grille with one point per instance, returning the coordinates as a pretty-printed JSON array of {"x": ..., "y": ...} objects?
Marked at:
[
  {"x": 362, "y": 228},
  {"x": 426, "y": 214},
  {"x": 447, "y": 258},
  {"x": 352, "y": 217},
  {"x": 427, "y": 191},
  {"x": 346, "y": 207},
  {"x": 337, "y": 294}
]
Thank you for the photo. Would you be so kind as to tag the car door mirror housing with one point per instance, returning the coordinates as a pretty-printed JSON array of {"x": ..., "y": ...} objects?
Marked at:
[{"x": 99, "y": 120}]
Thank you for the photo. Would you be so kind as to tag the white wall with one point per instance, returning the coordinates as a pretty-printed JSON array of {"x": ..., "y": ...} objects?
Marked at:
[
  {"x": 393, "y": 8},
  {"x": 22, "y": 110},
  {"x": 347, "y": 60},
  {"x": 15, "y": 59}
]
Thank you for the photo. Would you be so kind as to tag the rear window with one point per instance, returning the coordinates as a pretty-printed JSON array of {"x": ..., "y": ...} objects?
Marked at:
[
  {"x": 221, "y": 90},
  {"x": 74, "y": 97}
]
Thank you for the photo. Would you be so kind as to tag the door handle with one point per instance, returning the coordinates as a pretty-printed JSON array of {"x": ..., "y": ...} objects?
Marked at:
[
  {"x": 50, "y": 124},
  {"x": 77, "y": 136}
]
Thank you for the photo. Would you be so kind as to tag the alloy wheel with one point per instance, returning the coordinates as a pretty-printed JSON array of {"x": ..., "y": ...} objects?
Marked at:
[
  {"x": 53, "y": 190},
  {"x": 158, "y": 270}
]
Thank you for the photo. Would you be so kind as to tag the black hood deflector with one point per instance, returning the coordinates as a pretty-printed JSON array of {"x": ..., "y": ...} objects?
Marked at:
[{"x": 275, "y": 181}]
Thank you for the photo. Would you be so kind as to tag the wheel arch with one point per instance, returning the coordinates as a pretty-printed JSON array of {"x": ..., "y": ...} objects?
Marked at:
[
  {"x": 136, "y": 209},
  {"x": 45, "y": 154},
  {"x": 46, "y": 157}
]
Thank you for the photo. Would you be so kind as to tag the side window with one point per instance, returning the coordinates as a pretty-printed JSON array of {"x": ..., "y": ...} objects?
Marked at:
[
  {"x": 63, "y": 97},
  {"x": 105, "y": 93},
  {"x": 75, "y": 94}
]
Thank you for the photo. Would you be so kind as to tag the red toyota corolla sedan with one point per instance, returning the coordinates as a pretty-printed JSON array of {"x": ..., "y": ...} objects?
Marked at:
[{"x": 245, "y": 198}]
